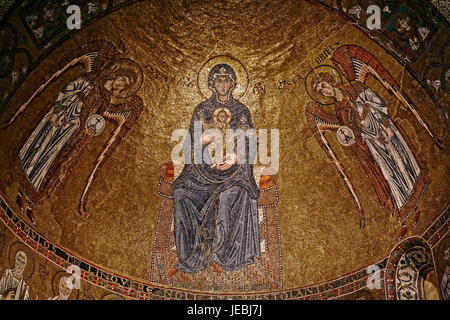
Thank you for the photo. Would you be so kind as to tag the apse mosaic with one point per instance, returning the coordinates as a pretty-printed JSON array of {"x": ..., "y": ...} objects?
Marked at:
[{"x": 223, "y": 150}]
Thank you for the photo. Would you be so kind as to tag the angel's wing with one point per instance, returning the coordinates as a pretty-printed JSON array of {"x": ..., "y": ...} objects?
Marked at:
[
  {"x": 124, "y": 121},
  {"x": 319, "y": 122},
  {"x": 358, "y": 64},
  {"x": 93, "y": 56},
  {"x": 100, "y": 53}
]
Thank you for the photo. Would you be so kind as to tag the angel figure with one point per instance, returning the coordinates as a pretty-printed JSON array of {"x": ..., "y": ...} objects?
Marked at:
[
  {"x": 362, "y": 122},
  {"x": 104, "y": 92}
]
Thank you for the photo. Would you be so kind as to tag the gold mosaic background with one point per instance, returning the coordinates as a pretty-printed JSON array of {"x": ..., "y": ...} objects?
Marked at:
[{"x": 275, "y": 41}]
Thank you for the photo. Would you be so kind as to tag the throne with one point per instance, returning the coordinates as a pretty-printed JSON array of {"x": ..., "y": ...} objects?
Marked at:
[{"x": 264, "y": 274}]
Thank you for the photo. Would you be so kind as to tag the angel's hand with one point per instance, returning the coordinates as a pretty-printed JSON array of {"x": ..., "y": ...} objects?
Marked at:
[
  {"x": 53, "y": 119},
  {"x": 390, "y": 133},
  {"x": 62, "y": 121},
  {"x": 90, "y": 132}
]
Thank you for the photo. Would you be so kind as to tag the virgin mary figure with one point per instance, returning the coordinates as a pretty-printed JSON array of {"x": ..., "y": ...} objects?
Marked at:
[{"x": 215, "y": 202}]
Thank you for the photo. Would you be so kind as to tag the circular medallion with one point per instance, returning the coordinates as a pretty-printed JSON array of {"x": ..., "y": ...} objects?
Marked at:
[
  {"x": 95, "y": 123},
  {"x": 222, "y": 115},
  {"x": 345, "y": 136}
]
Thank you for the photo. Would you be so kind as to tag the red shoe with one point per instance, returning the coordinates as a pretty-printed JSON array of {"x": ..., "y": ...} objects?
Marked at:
[
  {"x": 172, "y": 272},
  {"x": 216, "y": 267}
]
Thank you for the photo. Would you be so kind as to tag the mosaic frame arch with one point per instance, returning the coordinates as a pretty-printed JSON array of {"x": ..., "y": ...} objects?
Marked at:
[{"x": 24, "y": 41}]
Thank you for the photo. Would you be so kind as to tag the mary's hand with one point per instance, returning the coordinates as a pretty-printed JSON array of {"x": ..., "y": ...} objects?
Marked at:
[
  {"x": 230, "y": 160},
  {"x": 207, "y": 138}
]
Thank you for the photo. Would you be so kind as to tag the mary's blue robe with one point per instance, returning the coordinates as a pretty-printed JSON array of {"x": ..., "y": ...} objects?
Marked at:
[{"x": 216, "y": 213}]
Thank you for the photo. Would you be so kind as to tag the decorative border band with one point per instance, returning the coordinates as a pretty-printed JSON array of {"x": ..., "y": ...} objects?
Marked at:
[{"x": 139, "y": 290}]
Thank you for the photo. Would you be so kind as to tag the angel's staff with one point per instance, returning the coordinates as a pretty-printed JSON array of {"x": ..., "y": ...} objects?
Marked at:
[
  {"x": 120, "y": 119},
  {"x": 331, "y": 124},
  {"x": 340, "y": 167}
]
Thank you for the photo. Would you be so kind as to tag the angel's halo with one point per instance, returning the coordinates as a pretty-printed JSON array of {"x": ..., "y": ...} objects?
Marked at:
[
  {"x": 316, "y": 96},
  {"x": 132, "y": 66}
]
